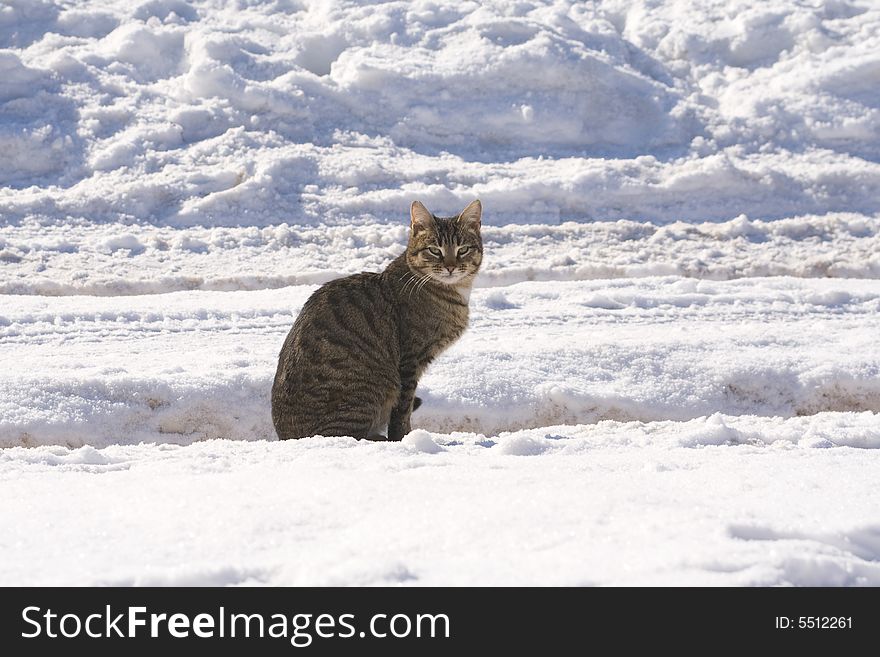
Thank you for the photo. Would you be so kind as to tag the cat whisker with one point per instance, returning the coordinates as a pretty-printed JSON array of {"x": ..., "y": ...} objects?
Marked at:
[
  {"x": 416, "y": 286},
  {"x": 423, "y": 282},
  {"x": 419, "y": 285},
  {"x": 411, "y": 281}
]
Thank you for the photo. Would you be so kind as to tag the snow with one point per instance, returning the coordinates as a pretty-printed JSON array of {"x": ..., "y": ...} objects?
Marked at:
[
  {"x": 671, "y": 373},
  {"x": 337, "y": 112},
  {"x": 561, "y": 505},
  {"x": 109, "y": 259},
  {"x": 184, "y": 366}
]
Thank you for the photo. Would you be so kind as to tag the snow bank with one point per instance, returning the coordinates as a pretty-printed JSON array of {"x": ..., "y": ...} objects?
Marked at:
[
  {"x": 177, "y": 114},
  {"x": 190, "y": 366},
  {"x": 37, "y": 125}
]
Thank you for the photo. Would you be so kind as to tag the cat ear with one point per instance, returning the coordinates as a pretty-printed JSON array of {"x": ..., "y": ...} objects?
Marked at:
[
  {"x": 420, "y": 218},
  {"x": 471, "y": 215}
]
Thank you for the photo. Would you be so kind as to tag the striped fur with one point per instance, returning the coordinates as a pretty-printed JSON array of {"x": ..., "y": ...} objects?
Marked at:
[{"x": 351, "y": 363}]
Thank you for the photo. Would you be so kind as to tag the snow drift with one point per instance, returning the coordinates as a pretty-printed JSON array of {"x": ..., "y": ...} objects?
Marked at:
[{"x": 201, "y": 113}]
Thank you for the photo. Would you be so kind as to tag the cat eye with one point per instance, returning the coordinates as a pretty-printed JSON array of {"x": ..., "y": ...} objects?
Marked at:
[
  {"x": 437, "y": 253},
  {"x": 463, "y": 250}
]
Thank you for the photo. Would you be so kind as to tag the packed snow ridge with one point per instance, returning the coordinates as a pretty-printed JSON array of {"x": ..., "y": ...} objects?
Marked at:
[{"x": 110, "y": 260}]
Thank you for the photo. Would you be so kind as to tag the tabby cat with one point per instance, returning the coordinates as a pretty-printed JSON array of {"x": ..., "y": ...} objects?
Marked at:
[{"x": 351, "y": 363}]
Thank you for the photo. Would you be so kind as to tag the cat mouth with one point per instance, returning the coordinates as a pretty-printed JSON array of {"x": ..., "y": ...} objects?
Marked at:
[{"x": 450, "y": 279}]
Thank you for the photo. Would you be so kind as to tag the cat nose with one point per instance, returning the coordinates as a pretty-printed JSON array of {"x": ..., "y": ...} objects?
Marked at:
[{"x": 450, "y": 269}]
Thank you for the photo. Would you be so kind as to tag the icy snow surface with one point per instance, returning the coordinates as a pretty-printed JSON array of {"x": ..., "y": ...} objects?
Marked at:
[{"x": 671, "y": 375}]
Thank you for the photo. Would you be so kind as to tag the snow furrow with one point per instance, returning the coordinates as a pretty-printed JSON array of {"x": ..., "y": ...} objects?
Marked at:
[{"x": 114, "y": 259}]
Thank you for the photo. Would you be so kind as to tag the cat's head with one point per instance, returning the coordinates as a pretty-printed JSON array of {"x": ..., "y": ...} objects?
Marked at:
[{"x": 448, "y": 249}]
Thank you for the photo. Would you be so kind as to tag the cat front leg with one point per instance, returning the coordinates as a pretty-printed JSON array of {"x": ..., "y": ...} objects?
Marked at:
[{"x": 400, "y": 423}]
